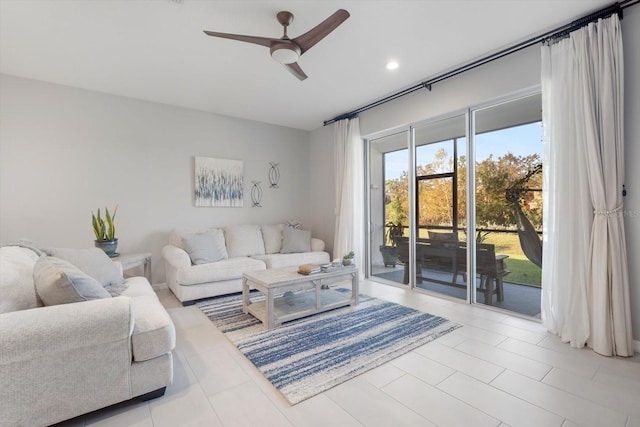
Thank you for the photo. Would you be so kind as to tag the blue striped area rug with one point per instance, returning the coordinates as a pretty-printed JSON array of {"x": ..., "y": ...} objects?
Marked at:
[{"x": 307, "y": 356}]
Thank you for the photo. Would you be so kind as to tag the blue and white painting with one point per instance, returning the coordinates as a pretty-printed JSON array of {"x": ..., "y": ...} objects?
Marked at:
[{"x": 218, "y": 182}]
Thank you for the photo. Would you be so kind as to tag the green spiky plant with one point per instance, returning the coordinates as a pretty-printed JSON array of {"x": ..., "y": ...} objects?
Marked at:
[
  {"x": 394, "y": 230},
  {"x": 105, "y": 230}
]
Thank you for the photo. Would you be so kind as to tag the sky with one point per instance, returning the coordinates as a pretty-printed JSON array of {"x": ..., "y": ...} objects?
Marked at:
[{"x": 519, "y": 140}]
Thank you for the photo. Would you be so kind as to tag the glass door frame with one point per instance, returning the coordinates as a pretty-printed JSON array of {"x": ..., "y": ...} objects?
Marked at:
[
  {"x": 471, "y": 178},
  {"x": 368, "y": 250},
  {"x": 412, "y": 189}
]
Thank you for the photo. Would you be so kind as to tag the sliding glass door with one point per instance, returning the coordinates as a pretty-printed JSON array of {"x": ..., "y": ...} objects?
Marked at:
[
  {"x": 388, "y": 162},
  {"x": 455, "y": 205},
  {"x": 508, "y": 204},
  {"x": 440, "y": 169}
]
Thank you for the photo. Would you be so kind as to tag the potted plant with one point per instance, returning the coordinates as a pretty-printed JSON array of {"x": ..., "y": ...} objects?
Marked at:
[
  {"x": 388, "y": 249},
  {"x": 105, "y": 231},
  {"x": 348, "y": 258}
]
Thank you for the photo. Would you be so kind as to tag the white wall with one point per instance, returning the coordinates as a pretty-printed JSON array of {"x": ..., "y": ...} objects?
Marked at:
[
  {"x": 65, "y": 152},
  {"x": 507, "y": 75},
  {"x": 630, "y": 37},
  {"x": 322, "y": 186},
  {"x": 513, "y": 73}
]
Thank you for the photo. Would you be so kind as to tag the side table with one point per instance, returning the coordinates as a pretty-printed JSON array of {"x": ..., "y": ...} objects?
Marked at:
[{"x": 129, "y": 261}]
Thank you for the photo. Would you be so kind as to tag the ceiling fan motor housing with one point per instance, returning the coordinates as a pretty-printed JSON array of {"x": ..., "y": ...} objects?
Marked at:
[{"x": 285, "y": 53}]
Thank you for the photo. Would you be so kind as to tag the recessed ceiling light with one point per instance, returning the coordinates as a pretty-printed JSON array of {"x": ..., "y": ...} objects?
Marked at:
[{"x": 392, "y": 65}]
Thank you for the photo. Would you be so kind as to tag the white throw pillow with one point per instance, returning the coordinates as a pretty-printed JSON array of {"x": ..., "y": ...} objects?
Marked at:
[
  {"x": 92, "y": 261},
  {"x": 272, "y": 236},
  {"x": 243, "y": 240},
  {"x": 295, "y": 241},
  {"x": 60, "y": 282},
  {"x": 204, "y": 248}
]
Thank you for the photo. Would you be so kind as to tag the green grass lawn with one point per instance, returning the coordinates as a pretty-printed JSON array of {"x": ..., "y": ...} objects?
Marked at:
[{"x": 522, "y": 270}]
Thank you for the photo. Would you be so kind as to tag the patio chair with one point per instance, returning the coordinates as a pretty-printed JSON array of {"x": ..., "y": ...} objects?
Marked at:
[
  {"x": 489, "y": 266},
  {"x": 491, "y": 270}
]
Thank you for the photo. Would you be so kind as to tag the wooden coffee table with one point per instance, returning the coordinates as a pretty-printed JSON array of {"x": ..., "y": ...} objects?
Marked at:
[{"x": 282, "y": 303}]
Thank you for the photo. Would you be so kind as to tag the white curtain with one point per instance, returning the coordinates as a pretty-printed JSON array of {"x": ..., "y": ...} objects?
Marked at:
[
  {"x": 585, "y": 282},
  {"x": 349, "y": 172}
]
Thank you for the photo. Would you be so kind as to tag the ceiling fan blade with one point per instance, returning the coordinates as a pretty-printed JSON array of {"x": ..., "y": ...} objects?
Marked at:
[
  {"x": 295, "y": 69},
  {"x": 262, "y": 41},
  {"x": 307, "y": 40}
]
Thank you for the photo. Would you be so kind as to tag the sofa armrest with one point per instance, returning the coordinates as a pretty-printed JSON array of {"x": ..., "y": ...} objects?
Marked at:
[
  {"x": 177, "y": 257},
  {"x": 41, "y": 332},
  {"x": 154, "y": 333},
  {"x": 317, "y": 245}
]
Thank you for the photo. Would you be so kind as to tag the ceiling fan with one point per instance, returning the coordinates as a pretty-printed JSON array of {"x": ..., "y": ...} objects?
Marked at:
[{"x": 285, "y": 50}]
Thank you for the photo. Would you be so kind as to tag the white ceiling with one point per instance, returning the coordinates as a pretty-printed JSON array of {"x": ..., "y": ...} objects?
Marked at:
[{"x": 155, "y": 50}]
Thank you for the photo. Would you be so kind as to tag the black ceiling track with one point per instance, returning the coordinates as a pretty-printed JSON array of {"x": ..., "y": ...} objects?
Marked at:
[{"x": 559, "y": 32}]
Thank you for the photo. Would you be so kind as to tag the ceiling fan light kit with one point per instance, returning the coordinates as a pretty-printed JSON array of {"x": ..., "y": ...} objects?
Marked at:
[{"x": 286, "y": 51}]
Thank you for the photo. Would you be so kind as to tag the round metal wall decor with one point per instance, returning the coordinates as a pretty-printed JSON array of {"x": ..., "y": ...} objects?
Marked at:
[
  {"x": 274, "y": 175},
  {"x": 256, "y": 194}
]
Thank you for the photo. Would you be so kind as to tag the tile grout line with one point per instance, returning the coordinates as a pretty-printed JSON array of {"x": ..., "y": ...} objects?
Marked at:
[
  {"x": 206, "y": 396},
  {"x": 342, "y": 407},
  {"x": 442, "y": 391},
  {"x": 587, "y": 400},
  {"x": 526, "y": 401}
]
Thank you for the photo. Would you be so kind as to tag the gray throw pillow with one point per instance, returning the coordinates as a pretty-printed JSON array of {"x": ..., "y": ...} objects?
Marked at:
[
  {"x": 60, "y": 282},
  {"x": 295, "y": 241},
  {"x": 92, "y": 261},
  {"x": 204, "y": 248}
]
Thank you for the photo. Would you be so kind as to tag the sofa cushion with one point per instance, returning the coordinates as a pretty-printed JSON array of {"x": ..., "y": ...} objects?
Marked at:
[
  {"x": 317, "y": 245},
  {"x": 153, "y": 331},
  {"x": 243, "y": 240},
  {"x": 295, "y": 241},
  {"x": 60, "y": 282},
  {"x": 206, "y": 247},
  {"x": 226, "y": 269},
  {"x": 17, "y": 290},
  {"x": 293, "y": 260},
  {"x": 116, "y": 289},
  {"x": 272, "y": 236},
  {"x": 92, "y": 261},
  {"x": 138, "y": 286}
]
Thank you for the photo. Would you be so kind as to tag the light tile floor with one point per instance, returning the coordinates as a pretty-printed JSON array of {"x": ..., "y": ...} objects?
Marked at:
[{"x": 497, "y": 370}]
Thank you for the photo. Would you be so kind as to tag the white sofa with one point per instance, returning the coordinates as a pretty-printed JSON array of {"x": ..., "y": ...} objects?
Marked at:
[
  {"x": 240, "y": 248},
  {"x": 61, "y": 361}
]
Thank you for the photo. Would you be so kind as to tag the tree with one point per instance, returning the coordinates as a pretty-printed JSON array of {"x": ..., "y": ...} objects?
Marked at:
[
  {"x": 493, "y": 178},
  {"x": 397, "y": 199}
]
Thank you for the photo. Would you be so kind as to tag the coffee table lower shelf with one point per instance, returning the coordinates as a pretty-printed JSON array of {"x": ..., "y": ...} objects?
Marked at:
[{"x": 299, "y": 304}]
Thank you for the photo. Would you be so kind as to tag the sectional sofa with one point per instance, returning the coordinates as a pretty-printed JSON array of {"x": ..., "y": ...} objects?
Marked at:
[{"x": 203, "y": 263}]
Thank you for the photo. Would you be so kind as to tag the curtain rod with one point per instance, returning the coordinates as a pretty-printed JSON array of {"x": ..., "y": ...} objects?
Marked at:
[{"x": 558, "y": 32}]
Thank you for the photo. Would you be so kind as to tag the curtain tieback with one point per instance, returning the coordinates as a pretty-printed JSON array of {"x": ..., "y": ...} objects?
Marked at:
[{"x": 609, "y": 213}]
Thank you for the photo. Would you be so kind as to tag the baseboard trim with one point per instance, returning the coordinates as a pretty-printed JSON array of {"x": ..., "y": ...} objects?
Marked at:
[{"x": 636, "y": 346}]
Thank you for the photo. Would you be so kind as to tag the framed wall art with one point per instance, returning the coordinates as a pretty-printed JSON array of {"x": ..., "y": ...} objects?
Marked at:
[{"x": 218, "y": 182}]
